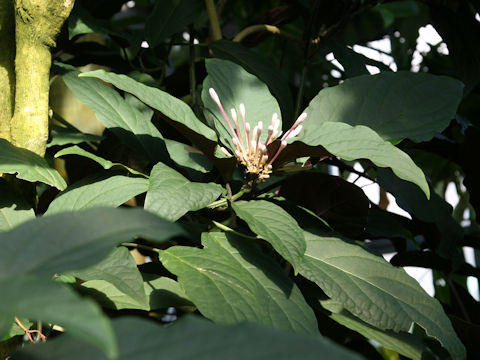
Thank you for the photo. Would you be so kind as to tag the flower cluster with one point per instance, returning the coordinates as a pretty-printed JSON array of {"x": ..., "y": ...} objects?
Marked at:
[{"x": 249, "y": 150}]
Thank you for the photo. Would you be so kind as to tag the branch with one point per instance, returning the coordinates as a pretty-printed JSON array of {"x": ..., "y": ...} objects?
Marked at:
[
  {"x": 263, "y": 27},
  {"x": 214, "y": 23}
]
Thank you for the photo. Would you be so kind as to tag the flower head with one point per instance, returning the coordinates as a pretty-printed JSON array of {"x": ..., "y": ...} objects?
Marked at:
[{"x": 250, "y": 151}]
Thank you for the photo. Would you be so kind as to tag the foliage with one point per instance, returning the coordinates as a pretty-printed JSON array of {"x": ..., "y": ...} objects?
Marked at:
[{"x": 186, "y": 205}]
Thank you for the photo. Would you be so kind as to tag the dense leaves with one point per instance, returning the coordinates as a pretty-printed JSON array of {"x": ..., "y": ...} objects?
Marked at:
[{"x": 275, "y": 244}]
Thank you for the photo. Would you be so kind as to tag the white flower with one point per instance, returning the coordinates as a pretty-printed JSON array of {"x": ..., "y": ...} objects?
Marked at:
[{"x": 249, "y": 150}]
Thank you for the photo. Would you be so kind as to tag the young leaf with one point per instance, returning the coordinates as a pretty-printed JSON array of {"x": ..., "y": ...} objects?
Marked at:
[
  {"x": 206, "y": 341},
  {"x": 171, "y": 195},
  {"x": 75, "y": 240},
  {"x": 361, "y": 142},
  {"x": 375, "y": 291},
  {"x": 275, "y": 225},
  {"x": 42, "y": 299},
  {"x": 231, "y": 281},
  {"x": 395, "y": 105},
  {"x": 120, "y": 270},
  {"x": 236, "y": 86},
  {"x": 168, "y": 105},
  {"x": 124, "y": 120},
  {"x": 28, "y": 165},
  {"x": 94, "y": 191},
  {"x": 106, "y": 164}
]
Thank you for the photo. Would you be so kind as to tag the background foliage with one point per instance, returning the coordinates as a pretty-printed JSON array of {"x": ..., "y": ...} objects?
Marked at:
[{"x": 223, "y": 265}]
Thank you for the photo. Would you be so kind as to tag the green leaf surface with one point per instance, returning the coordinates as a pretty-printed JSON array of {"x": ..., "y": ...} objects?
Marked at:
[
  {"x": 120, "y": 270},
  {"x": 75, "y": 240},
  {"x": 275, "y": 225},
  {"x": 188, "y": 157},
  {"x": 231, "y": 281},
  {"x": 13, "y": 208},
  {"x": 93, "y": 192},
  {"x": 168, "y": 105},
  {"x": 235, "y": 86},
  {"x": 396, "y": 105},
  {"x": 206, "y": 341},
  {"x": 374, "y": 291},
  {"x": 161, "y": 293},
  {"x": 360, "y": 142},
  {"x": 38, "y": 298},
  {"x": 106, "y": 164},
  {"x": 171, "y": 195},
  {"x": 28, "y": 166},
  {"x": 169, "y": 17},
  {"x": 63, "y": 136},
  {"x": 261, "y": 67},
  {"x": 128, "y": 123},
  {"x": 404, "y": 343}
]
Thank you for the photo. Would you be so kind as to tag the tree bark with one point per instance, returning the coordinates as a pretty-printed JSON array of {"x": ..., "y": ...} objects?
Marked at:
[
  {"x": 37, "y": 23},
  {"x": 7, "y": 70}
]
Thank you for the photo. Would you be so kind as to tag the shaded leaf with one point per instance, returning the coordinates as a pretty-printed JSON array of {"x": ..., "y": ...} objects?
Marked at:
[
  {"x": 231, "y": 281},
  {"x": 13, "y": 208},
  {"x": 404, "y": 343},
  {"x": 275, "y": 225},
  {"x": 171, "y": 195},
  {"x": 391, "y": 104},
  {"x": 207, "y": 341},
  {"x": 63, "y": 136},
  {"x": 169, "y": 17},
  {"x": 375, "y": 291},
  {"x": 168, "y": 105},
  {"x": 75, "y": 240},
  {"x": 38, "y": 298},
  {"x": 28, "y": 166},
  {"x": 188, "y": 157},
  {"x": 120, "y": 270},
  {"x": 235, "y": 86},
  {"x": 342, "y": 204},
  {"x": 360, "y": 142},
  {"x": 106, "y": 164},
  {"x": 127, "y": 122},
  {"x": 94, "y": 191},
  {"x": 262, "y": 68}
]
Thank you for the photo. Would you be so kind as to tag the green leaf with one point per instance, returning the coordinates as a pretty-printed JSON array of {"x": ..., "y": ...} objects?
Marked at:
[
  {"x": 396, "y": 105},
  {"x": 164, "y": 292},
  {"x": 169, "y": 17},
  {"x": 75, "y": 240},
  {"x": 258, "y": 65},
  {"x": 236, "y": 86},
  {"x": 28, "y": 165},
  {"x": 120, "y": 270},
  {"x": 188, "y": 157},
  {"x": 38, "y": 298},
  {"x": 63, "y": 136},
  {"x": 94, "y": 191},
  {"x": 374, "y": 291},
  {"x": 206, "y": 341},
  {"x": 13, "y": 208},
  {"x": 275, "y": 225},
  {"x": 168, "y": 105},
  {"x": 106, "y": 164},
  {"x": 131, "y": 125},
  {"x": 171, "y": 195},
  {"x": 360, "y": 142},
  {"x": 231, "y": 281},
  {"x": 161, "y": 293},
  {"x": 404, "y": 343}
]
